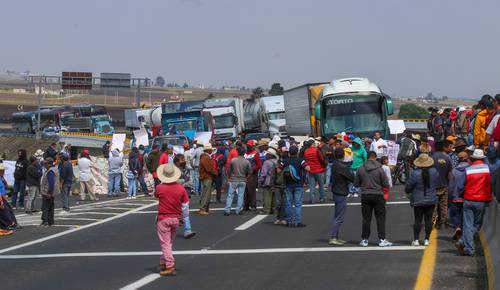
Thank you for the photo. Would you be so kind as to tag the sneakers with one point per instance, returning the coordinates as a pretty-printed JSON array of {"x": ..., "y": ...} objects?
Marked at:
[
  {"x": 202, "y": 212},
  {"x": 189, "y": 234},
  {"x": 384, "y": 243},
  {"x": 363, "y": 243},
  {"x": 426, "y": 242},
  {"x": 415, "y": 243},
  {"x": 457, "y": 235},
  {"x": 227, "y": 213},
  {"x": 336, "y": 242},
  {"x": 168, "y": 272}
]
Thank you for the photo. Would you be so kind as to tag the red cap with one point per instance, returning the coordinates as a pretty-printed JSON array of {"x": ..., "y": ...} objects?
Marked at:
[
  {"x": 453, "y": 115},
  {"x": 86, "y": 152},
  {"x": 250, "y": 143}
]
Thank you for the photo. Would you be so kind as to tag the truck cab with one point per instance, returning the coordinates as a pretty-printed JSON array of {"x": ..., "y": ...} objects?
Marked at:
[
  {"x": 187, "y": 123},
  {"x": 275, "y": 110}
]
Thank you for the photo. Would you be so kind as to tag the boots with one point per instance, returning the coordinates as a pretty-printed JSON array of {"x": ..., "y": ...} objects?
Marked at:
[{"x": 168, "y": 272}]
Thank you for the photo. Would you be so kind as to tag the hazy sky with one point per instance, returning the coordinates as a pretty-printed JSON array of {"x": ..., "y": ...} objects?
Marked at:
[{"x": 408, "y": 47}]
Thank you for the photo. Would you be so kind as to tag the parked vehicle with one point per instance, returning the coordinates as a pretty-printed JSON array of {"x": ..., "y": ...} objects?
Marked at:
[
  {"x": 275, "y": 110},
  {"x": 187, "y": 123},
  {"x": 254, "y": 116},
  {"x": 228, "y": 116}
]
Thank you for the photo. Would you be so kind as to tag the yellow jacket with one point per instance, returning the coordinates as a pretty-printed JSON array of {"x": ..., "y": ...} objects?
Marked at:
[{"x": 480, "y": 128}]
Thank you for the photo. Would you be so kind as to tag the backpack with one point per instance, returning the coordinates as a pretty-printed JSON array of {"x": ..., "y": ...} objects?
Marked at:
[
  {"x": 290, "y": 174},
  {"x": 215, "y": 162},
  {"x": 277, "y": 175}
]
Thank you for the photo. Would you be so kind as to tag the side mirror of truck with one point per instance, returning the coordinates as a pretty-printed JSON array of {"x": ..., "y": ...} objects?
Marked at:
[
  {"x": 317, "y": 111},
  {"x": 389, "y": 105},
  {"x": 235, "y": 119}
]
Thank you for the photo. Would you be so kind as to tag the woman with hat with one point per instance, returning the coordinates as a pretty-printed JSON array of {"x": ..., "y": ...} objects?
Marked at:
[
  {"x": 422, "y": 189},
  {"x": 173, "y": 205},
  {"x": 265, "y": 180}
]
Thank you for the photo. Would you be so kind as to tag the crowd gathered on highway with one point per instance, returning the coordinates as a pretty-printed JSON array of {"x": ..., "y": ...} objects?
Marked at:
[{"x": 450, "y": 175}]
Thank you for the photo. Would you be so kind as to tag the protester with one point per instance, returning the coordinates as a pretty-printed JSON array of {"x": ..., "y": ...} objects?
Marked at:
[
  {"x": 293, "y": 167},
  {"x": 237, "y": 173},
  {"x": 278, "y": 182},
  {"x": 443, "y": 165},
  {"x": 8, "y": 221},
  {"x": 316, "y": 176},
  {"x": 20, "y": 173},
  {"x": 33, "y": 175},
  {"x": 387, "y": 170},
  {"x": 251, "y": 186},
  {"x": 180, "y": 162},
  {"x": 407, "y": 152},
  {"x": 115, "y": 163},
  {"x": 435, "y": 125},
  {"x": 456, "y": 194},
  {"x": 477, "y": 195},
  {"x": 379, "y": 145},
  {"x": 198, "y": 151},
  {"x": 422, "y": 186},
  {"x": 85, "y": 176},
  {"x": 51, "y": 151},
  {"x": 133, "y": 172},
  {"x": 141, "y": 173},
  {"x": 372, "y": 179},
  {"x": 328, "y": 151},
  {"x": 208, "y": 173},
  {"x": 342, "y": 176},
  {"x": 173, "y": 204},
  {"x": 66, "y": 181},
  {"x": 152, "y": 163},
  {"x": 265, "y": 181},
  {"x": 106, "y": 148},
  {"x": 480, "y": 122},
  {"x": 220, "y": 160},
  {"x": 49, "y": 188}
]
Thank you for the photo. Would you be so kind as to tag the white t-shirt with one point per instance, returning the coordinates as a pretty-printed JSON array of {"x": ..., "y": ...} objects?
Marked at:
[
  {"x": 84, "y": 173},
  {"x": 387, "y": 171},
  {"x": 380, "y": 151},
  {"x": 492, "y": 125}
]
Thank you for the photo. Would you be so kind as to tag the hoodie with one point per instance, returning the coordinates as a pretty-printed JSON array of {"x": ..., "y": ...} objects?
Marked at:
[
  {"x": 456, "y": 188},
  {"x": 359, "y": 155},
  {"x": 371, "y": 178},
  {"x": 115, "y": 162},
  {"x": 480, "y": 128},
  {"x": 22, "y": 164}
]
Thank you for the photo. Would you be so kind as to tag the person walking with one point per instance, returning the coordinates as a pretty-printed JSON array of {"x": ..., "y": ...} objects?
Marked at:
[
  {"x": 85, "y": 176},
  {"x": 379, "y": 145},
  {"x": 173, "y": 205},
  {"x": 422, "y": 186},
  {"x": 142, "y": 172},
  {"x": 237, "y": 173},
  {"x": 185, "y": 180},
  {"x": 443, "y": 165},
  {"x": 153, "y": 161},
  {"x": 293, "y": 167},
  {"x": 279, "y": 188},
  {"x": 133, "y": 171},
  {"x": 456, "y": 193},
  {"x": 407, "y": 152},
  {"x": 251, "y": 186},
  {"x": 66, "y": 181},
  {"x": 220, "y": 160},
  {"x": 49, "y": 188},
  {"x": 115, "y": 163},
  {"x": 33, "y": 176},
  {"x": 316, "y": 161},
  {"x": 208, "y": 173},
  {"x": 342, "y": 176},
  {"x": 20, "y": 173},
  {"x": 197, "y": 152},
  {"x": 371, "y": 179},
  {"x": 265, "y": 181},
  {"x": 477, "y": 196}
]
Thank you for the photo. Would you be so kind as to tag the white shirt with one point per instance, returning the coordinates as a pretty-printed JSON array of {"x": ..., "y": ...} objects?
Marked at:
[
  {"x": 387, "y": 171},
  {"x": 84, "y": 173},
  {"x": 492, "y": 125},
  {"x": 380, "y": 151}
]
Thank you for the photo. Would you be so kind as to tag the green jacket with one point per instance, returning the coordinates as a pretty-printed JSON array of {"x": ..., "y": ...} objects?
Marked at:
[{"x": 359, "y": 154}]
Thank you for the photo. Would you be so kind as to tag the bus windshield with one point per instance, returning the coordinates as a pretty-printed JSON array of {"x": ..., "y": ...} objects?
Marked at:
[
  {"x": 352, "y": 113},
  {"x": 224, "y": 121}
]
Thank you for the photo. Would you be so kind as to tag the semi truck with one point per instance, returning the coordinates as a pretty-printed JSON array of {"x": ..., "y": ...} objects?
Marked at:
[
  {"x": 92, "y": 124},
  {"x": 275, "y": 110},
  {"x": 228, "y": 116},
  {"x": 187, "y": 123},
  {"x": 352, "y": 105},
  {"x": 254, "y": 116}
]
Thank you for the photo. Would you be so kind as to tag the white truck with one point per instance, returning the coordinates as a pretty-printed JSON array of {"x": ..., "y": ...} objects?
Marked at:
[
  {"x": 228, "y": 116},
  {"x": 275, "y": 110}
]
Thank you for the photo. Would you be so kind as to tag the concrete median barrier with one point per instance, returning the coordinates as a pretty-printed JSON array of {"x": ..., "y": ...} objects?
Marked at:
[{"x": 490, "y": 241}]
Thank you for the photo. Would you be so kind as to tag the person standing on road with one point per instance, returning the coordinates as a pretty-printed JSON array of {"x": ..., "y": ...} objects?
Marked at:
[
  {"x": 456, "y": 193},
  {"x": 173, "y": 205},
  {"x": 85, "y": 175},
  {"x": 8, "y": 220},
  {"x": 220, "y": 159},
  {"x": 51, "y": 151},
  {"x": 106, "y": 148},
  {"x": 142, "y": 180},
  {"x": 477, "y": 196},
  {"x": 407, "y": 153},
  {"x": 114, "y": 172},
  {"x": 198, "y": 151},
  {"x": 342, "y": 176},
  {"x": 185, "y": 180},
  {"x": 328, "y": 152},
  {"x": 49, "y": 188},
  {"x": 279, "y": 188},
  {"x": 422, "y": 189},
  {"x": 387, "y": 170},
  {"x": 379, "y": 145},
  {"x": 316, "y": 161},
  {"x": 133, "y": 171},
  {"x": 371, "y": 178},
  {"x": 66, "y": 180},
  {"x": 208, "y": 173},
  {"x": 152, "y": 163},
  {"x": 443, "y": 165},
  {"x": 20, "y": 173},
  {"x": 265, "y": 181},
  {"x": 251, "y": 186},
  {"x": 33, "y": 176},
  {"x": 237, "y": 173},
  {"x": 293, "y": 167}
]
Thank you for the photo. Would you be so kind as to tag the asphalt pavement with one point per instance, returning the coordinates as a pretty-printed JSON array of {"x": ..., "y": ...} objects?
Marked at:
[{"x": 112, "y": 244}]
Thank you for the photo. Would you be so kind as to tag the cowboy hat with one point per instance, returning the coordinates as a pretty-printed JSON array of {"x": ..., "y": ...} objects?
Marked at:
[
  {"x": 423, "y": 160},
  {"x": 273, "y": 152},
  {"x": 168, "y": 173},
  {"x": 208, "y": 147},
  {"x": 478, "y": 154},
  {"x": 471, "y": 148},
  {"x": 415, "y": 137},
  {"x": 262, "y": 142},
  {"x": 451, "y": 138},
  {"x": 38, "y": 153},
  {"x": 199, "y": 142},
  {"x": 460, "y": 143}
]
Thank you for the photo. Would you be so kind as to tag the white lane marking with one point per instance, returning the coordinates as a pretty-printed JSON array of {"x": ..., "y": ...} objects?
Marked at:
[
  {"x": 37, "y": 241},
  {"x": 90, "y": 213},
  {"x": 58, "y": 225},
  {"x": 304, "y": 205},
  {"x": 251, "y": 222},
  {"x": 117, "y": 208},
  {"x": 216, "y": 252},
  {"x": 77, "y": 219},
  {"x": 141, "y": 282}
]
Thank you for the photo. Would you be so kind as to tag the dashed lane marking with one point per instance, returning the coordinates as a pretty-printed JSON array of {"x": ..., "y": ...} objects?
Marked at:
[
  {"x": 141, "y": 282},
  {"x": 251, "y": 222}
]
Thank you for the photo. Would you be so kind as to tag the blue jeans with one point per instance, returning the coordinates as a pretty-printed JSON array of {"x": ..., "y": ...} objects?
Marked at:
[
  {"x": 65, "y": 192},
  {"x": 19, "y": 187},
  {"x": 196, "y": 181},
  {"x": 114, "y": 184},
  {"x": 132, "y": 189},
  {"x": 239, "y": 188},
  {"x": 328, "y": 179},
  {"x": 313, "y": 179},
  {"x": 143, "y": 184},
  {"x": 352, "y": 188},
  {"x": 472, "y": 221},
  {"x": 456, "y": 214},
  {"x": 294, "y": 197},
  {"x": 338, "y": 218}
]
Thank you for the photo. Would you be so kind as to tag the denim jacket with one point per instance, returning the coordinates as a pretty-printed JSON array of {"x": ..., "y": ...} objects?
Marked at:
[{"x": 415, "y": 187}]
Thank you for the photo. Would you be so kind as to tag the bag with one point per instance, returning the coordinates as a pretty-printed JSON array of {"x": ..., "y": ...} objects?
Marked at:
[
  {"x": 290, "y": 174},
  {"x": 277, "y": 175}
]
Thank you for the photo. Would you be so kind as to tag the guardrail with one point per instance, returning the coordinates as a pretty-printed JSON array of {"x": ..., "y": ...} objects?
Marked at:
[
  {"x": 490, "y": 241},
  {"x": 81, "y": 134}
]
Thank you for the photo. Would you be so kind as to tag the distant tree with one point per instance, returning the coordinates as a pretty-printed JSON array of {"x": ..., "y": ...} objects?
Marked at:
[
  {"x": 412, "y": 111},
  {"x": 257, "y": 92},
  {"x": 185, "y": 85},
  {"x": 276, "y": 90},
  {"x": 160, "y": 81}
]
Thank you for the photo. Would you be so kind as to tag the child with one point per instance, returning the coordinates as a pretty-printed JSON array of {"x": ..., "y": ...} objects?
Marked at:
[{"x": 385, "y": 166}]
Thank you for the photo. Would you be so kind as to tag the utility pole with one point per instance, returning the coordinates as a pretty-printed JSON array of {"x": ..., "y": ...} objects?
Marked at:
[
  {"x": 38, "y": 133},
  {"x": 138, "y": 97}
]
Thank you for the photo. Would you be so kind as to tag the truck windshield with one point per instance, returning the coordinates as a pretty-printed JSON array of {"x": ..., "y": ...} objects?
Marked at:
[
  {"x": 174, "y": 141},
  {"x": 276, "y": 115},
  {"x": 183, "y": 125},
  {"x": 352, "y": 113},
  {"x": 224, "y": 121}
]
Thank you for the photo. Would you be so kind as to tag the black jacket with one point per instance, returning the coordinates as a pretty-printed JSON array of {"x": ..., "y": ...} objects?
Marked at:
[
  {"x": 21, "y": 166},
  {"x": 341, "y": 177},
  {"x": 33, "y": 176}
]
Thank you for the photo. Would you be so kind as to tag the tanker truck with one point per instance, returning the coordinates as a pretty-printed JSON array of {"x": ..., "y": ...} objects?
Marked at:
[
  {"x": 228, "y": 116},
  {"x": 254, "y": 116}
]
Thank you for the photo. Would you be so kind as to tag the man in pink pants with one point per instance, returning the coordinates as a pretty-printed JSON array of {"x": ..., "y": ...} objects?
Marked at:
[{"x": 173, "y": 204}]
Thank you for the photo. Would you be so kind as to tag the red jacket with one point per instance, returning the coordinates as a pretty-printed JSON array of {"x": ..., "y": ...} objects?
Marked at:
[
  {"x": 233, "y": 153},
  {"x": 477, "y": 182},
  {"x": 315, "y": 160},
  {"x": 163, "y": 158}
]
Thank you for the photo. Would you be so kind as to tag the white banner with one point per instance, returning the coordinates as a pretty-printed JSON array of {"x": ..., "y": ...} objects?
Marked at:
[
  {"x": 118, "y": 141},
  {"x": 141, "y": 137},
  {"x": 10, "y": 166}
]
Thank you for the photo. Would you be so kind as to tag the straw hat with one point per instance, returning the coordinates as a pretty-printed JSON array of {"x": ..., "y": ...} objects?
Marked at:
[
  {"x": 262, "y": 142},
  {"x": 208, "y": 147},
  {"x": 478, "y": 154},
  {"x": 199, "y": 142},
  {"x": 168, "y": 173},
  {"x": 423, "y": 160},
  {"x": 273, "y": 152},
  {"x": 416, "y": 137}
]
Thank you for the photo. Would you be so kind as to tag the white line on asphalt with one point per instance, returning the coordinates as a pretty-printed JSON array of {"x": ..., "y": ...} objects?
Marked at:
[
  {"x": 117, "y": 208},
  {"x": 91, "y": 213},
  {"x": 141, "y": 282},
  {"x": 77, "y": 219},
  {"x": 37, "y": 241},
  {"x": 251, "y": 222},
  {"x": 216, "y": 252},
  {"x": 62, "y": 226}
]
